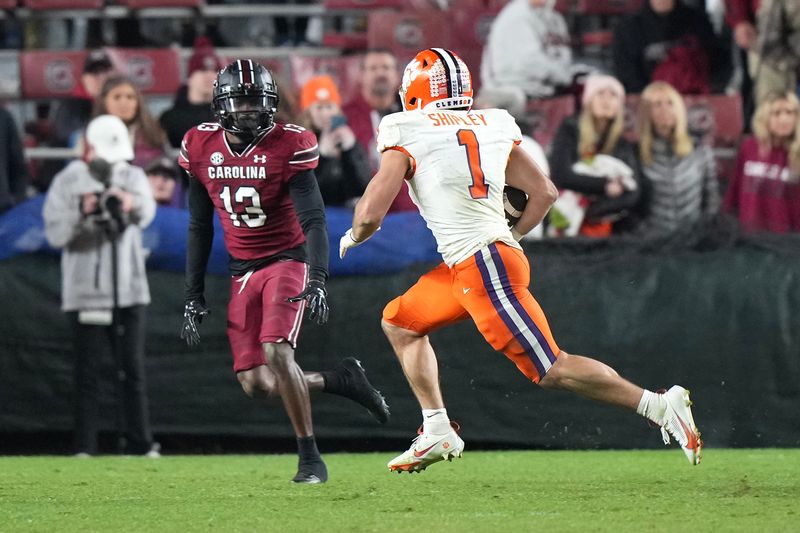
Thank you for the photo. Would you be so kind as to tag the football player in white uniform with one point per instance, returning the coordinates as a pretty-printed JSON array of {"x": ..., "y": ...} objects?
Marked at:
[{"x": 457, "y": 162}]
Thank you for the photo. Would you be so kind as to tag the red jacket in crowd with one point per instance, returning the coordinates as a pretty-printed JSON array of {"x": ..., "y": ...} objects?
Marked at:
[
  {"x": 737, "y": 11},
  {"x": 363, "y": 120},
  {"x": 763, "y": 190}
]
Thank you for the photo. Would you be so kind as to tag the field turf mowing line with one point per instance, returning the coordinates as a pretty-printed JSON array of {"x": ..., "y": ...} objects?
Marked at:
[{"x": 731, "y": 490}]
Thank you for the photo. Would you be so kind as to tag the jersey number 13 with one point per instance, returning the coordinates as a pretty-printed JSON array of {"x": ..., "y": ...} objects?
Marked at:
[{"x": 253, "y": 216}]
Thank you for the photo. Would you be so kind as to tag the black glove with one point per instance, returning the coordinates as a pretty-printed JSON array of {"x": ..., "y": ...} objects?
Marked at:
[
  {"x": 193, "y": 313},
  {"x": 317, "y": 298}
]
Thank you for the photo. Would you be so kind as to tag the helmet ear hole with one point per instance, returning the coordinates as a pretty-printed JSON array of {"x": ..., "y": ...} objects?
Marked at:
[{"x": 413, "y": 100}]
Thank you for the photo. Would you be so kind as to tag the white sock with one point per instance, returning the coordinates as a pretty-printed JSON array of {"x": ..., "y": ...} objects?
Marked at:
[
  {"x": 435, "y": 421},
  {"x": 652, "y": 406}
]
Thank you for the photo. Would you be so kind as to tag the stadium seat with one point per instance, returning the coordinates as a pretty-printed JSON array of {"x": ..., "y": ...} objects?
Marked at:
[
  {"x": 727, "y": 112},
  {"x": 43, "y": 5},
  {"x": 607, "y": 7},
  {"x": 363, "y": 4},
  {"x": 468, "y": 42},
  {"x": 141, "y": 4},
  {"x": 8, "y": 4},
  {"x": 345, "y": 41},
  {"x": 407, "y": 33},
  {"x": 717, "y": 117},
  {"x": 54, "y": 74},
  {"x": 601, "y": 38},
  {"x": 153, "y": 70},
  {"x": 344, "y": 70},
  {"x": 545, "y": 116},
  {"x": 50, "y": 74}
]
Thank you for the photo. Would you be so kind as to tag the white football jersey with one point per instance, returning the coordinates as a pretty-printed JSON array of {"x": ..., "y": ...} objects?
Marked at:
[{"x": 459, "y": 160}]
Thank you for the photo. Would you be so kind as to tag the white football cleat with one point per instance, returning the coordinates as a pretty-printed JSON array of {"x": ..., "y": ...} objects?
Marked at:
[
  {"x": 428, "y": 449},
  {"x": 679, "y": 423}
]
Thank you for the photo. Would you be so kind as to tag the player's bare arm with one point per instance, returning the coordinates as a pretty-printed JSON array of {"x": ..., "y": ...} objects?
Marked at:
[
  {"x": 377, "y": 198},
  {"x": 524, "y": 174}
]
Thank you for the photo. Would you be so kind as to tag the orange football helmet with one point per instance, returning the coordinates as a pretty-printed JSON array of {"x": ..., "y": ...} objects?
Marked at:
[{"x": 436, "y": 78}]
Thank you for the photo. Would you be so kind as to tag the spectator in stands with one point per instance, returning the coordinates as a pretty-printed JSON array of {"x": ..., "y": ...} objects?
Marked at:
[
  {"x": 120, "y": 97},
  {"x": 778, "y": 60},
  {"x": 669, "y": 41},
  {"x": 741, "y": 17},
  {"x": 528, "y": 51},
  {"x": 69, "y": 116},
  {"x": 91, "y": 206},
  {"x": 72, "y": 114},
  {"x": 162, "y": 173},
  {"x": 192, "y": 104},
  {"x": 289, "y": 105},
  {"x": 13, "y": 169},
  {"x": 680, "y": 183},
  {"x": 595, "y": 168},
  {"x": 380, "y": 81},
  {"x": 343, "y": 170},
  {"x": 764, "y": 190}
]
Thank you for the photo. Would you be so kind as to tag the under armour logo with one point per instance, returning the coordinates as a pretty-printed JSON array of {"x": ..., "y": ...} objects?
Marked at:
[{"x": 259, "y": 159}]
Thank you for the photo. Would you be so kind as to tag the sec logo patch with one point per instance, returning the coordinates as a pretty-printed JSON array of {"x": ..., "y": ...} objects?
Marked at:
[{"x": 217, "y": 158}]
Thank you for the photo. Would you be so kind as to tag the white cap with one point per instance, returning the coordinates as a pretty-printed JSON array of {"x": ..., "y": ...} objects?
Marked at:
[{"x": 108, "y": 136}]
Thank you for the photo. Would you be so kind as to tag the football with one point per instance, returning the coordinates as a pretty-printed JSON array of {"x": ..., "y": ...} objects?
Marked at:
[{"x": 514, "y": 201}]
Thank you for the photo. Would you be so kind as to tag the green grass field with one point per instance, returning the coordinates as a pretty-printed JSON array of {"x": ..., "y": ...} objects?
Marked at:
[{"x": 732, "y": 490}]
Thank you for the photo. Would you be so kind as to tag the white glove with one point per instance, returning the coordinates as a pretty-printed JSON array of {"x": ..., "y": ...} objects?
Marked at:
[
  {"x": 517, "y": 235},
  {"x": 346, "y": 242}
]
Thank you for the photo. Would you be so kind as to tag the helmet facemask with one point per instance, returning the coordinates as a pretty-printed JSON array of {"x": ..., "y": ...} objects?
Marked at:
[
  {"x": 246, "y": 115},
  {"x": 245, "y": 98}
]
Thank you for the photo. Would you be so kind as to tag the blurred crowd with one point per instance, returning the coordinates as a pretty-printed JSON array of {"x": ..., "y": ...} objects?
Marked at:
[{"x": 646, "y": 172}]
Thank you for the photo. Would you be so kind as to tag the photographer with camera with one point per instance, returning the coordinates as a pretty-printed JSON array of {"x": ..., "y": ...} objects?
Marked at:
[{"x": 95, "y": 210}]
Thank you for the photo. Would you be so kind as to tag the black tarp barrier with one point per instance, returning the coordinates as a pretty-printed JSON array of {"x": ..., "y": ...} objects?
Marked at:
[{"x": 709, "y": 310}]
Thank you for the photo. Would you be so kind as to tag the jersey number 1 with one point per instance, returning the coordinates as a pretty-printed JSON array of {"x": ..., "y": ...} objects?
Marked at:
[
  {"x": 253, "y": 216},
  {"x": 469, "y": 140}
]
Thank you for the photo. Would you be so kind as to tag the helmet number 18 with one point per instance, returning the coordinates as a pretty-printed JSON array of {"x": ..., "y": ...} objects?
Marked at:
[{"x": 253, "y": 215}]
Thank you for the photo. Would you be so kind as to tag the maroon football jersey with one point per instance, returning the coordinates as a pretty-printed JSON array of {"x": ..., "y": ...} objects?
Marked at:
[{"x": 250, "y": 189}]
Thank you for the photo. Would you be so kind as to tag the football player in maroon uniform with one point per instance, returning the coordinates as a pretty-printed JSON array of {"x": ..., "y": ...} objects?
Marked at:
[{"x": 259, "y": 176}]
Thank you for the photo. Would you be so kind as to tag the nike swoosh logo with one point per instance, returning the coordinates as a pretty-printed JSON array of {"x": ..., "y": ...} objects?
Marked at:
[
  {"x": 691, "y": 436},
  {"x": 422, "y": 453},
  {"x": 466, "y": 290}
]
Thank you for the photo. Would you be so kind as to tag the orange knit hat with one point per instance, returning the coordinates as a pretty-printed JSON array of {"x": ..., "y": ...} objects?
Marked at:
[{"x": 319, "y": 89}]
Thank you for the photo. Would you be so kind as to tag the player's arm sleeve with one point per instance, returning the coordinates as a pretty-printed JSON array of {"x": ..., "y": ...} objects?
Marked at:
[
  {"x": 311, "y": 213},
  {"x": 513, "y": 128},
  {"x": 183, "y": 153},
  {"x": 306, "y": 154},
  {"x": 390, "y": 138},
  {"x": 198, "y": 244}
]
